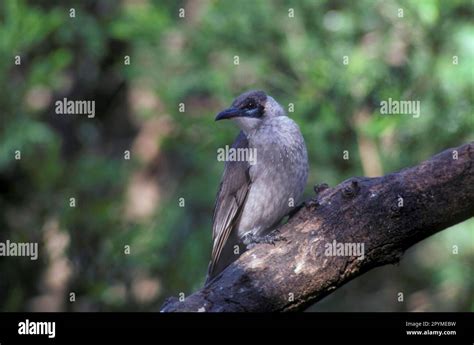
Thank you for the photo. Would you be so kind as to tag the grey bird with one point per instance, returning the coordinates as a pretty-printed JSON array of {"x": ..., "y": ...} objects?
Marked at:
[{"x": 253, "y": 197}]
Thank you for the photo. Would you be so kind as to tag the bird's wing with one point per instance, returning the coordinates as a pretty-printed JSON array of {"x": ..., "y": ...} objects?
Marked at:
[{"x": 230, "y": 200}]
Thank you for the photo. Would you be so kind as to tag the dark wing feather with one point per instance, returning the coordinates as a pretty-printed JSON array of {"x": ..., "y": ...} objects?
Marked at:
[{"x": 230, "y": 199}]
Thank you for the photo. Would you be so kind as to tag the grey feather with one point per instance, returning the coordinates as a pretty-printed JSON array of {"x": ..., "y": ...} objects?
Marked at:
[{"x": 233, "y": 191}]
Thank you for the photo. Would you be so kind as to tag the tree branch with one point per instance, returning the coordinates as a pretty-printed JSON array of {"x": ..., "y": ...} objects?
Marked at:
[{"x": 386, "y": 215}]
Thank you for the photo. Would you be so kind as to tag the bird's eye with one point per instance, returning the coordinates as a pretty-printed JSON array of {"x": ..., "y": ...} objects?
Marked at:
[{"x": 250, "y": 105}]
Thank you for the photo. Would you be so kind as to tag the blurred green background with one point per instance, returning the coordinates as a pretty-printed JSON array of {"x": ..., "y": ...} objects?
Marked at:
[{"x": 295, "y": 51}]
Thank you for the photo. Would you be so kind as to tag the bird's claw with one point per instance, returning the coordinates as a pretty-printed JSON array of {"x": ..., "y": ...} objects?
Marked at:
[{"x": 250, "y": 240}]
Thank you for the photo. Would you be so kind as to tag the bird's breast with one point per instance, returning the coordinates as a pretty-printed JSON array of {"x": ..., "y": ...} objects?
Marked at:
[{"x": 278, "y": 179}]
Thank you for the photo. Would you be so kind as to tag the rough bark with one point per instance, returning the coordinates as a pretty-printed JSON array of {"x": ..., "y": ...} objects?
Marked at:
[{"x": 386, "y": 214}]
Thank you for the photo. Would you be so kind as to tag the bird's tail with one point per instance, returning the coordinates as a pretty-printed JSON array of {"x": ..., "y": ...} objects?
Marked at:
[{"x": 209, "y": 277}]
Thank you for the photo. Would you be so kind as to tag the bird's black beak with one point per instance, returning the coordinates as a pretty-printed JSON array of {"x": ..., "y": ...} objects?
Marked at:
[{"x": 230, "y": 113}]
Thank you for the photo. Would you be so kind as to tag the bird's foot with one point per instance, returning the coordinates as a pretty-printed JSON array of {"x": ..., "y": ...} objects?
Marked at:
[{"x": 250, "y": 240}]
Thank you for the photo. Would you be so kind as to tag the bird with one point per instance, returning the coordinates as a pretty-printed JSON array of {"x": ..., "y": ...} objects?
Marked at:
[{"x": 253, "y": 197}]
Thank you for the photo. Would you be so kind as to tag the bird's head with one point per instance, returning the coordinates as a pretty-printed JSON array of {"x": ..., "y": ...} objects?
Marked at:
[{"x": 251, "y": 109}]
